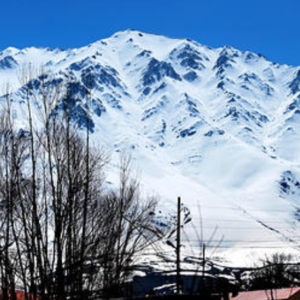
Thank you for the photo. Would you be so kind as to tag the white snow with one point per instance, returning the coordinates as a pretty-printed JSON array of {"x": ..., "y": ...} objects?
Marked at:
[{"x": 229, "y": 167}]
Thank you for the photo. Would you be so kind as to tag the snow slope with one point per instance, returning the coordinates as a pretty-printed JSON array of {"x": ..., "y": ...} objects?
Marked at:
[{"x": 218, "y": 127}]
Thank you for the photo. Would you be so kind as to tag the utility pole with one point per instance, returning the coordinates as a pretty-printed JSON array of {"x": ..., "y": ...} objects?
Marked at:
[
  {"x": 203, "y": 267},
  {"x": 178, "y": 245}
]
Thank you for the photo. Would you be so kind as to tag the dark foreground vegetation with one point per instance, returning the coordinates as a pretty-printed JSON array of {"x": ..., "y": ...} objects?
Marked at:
[{"x": 63, "y": 233}]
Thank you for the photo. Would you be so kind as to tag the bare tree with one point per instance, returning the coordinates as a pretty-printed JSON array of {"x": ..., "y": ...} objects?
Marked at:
[
  {"x": 63, "y": 233},
  {"x": 277, "y": 271}
]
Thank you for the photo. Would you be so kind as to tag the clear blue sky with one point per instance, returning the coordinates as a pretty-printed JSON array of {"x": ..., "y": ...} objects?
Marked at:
[{"x": 270, "y": 27}]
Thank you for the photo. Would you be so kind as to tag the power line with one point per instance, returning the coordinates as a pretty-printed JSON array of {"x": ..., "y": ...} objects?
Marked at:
[
  {"x": 244, "y": 221},
  {"x": 240, "y": 209},
  {"x": 274, "y": 244},
  {"x": 242, "y": 241},
  {"x": 250, "y": 247},
  {"x": 258, "y": 226}
]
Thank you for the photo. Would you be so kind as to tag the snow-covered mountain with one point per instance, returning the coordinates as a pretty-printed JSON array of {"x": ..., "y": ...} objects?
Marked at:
[{"x": 218, "y": 127}]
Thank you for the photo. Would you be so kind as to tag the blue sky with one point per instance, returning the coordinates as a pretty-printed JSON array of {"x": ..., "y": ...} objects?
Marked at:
[{"x": 270, "y": 27}]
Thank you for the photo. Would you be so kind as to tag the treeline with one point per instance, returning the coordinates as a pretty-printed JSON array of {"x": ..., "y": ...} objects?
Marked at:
[{"x": 63, "y": 234}]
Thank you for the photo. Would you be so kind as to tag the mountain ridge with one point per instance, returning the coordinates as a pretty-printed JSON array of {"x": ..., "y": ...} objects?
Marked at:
[{"x": 220, "y": 123}]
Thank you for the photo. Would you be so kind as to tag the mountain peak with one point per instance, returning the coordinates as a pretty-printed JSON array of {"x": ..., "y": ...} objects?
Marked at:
[
  {"x": 9, "y": 51},
  {"x": 140, "y": 34}
]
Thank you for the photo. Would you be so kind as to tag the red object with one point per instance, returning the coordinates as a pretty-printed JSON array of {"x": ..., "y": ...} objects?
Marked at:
[
  {"x": 278, "y": 294},
  {"x": 20, "y": 295}
]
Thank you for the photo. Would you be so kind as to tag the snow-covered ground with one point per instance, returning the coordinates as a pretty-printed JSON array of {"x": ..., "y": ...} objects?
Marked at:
[{"x": 218, "y": 127}]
